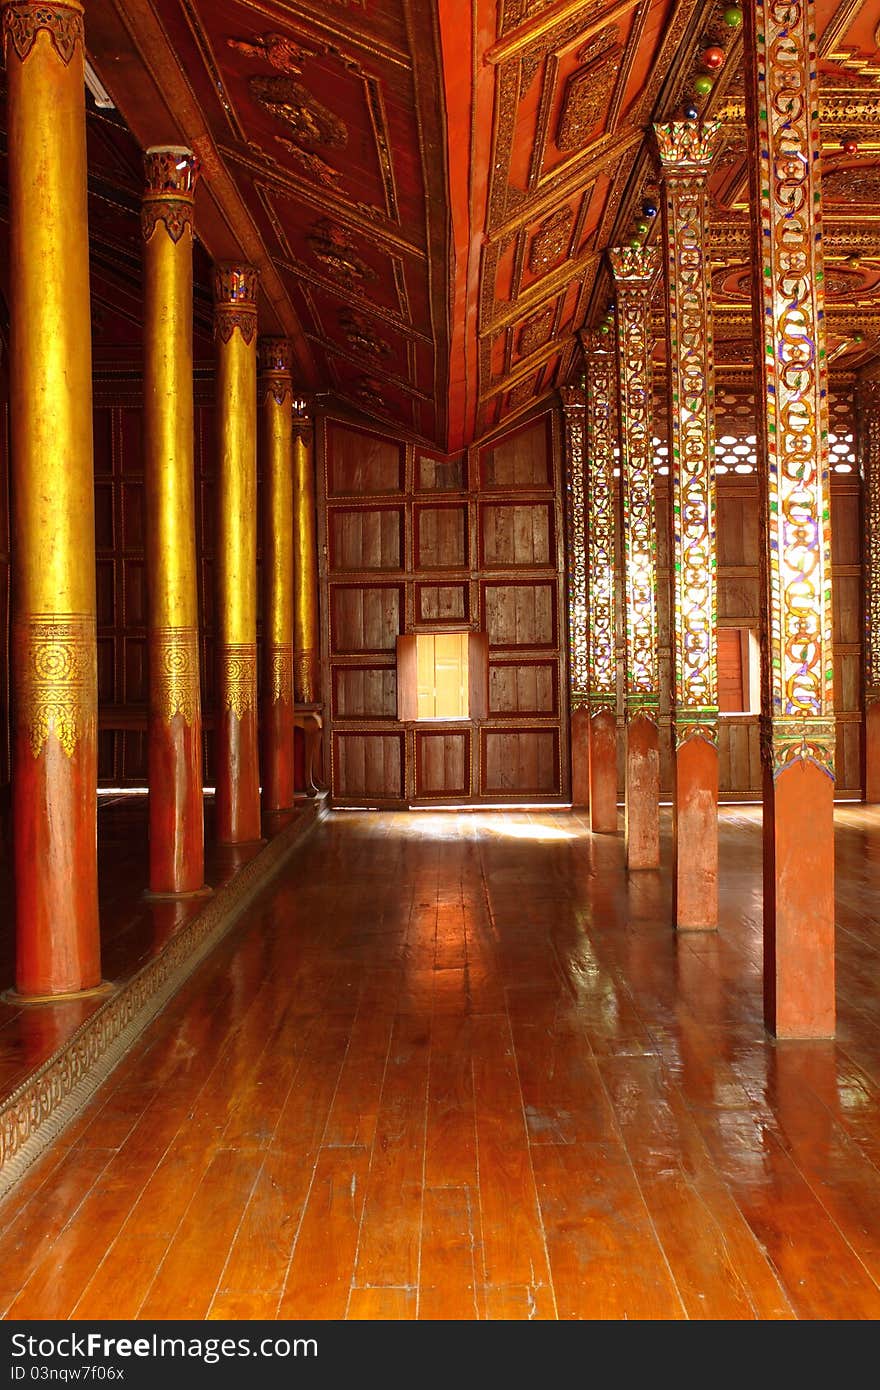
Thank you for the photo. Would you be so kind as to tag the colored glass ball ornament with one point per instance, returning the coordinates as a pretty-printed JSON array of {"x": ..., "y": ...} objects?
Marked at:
[
  {"x": 603, "y": 328},
  {"x": 733, "y": 16},
  {"x": 849, "y": 146},
  {"x": 703, "y": 84},
  {"x": 649, "y": 209},
  {"x": 854, "y": 260},
  {"x": 635, "y": 243},
  {"x": 642, "y": 228},
  {"x": 691, "y": 113},
  {"x": 713, "y": 58},
  {"x": 858, "y": 337}
]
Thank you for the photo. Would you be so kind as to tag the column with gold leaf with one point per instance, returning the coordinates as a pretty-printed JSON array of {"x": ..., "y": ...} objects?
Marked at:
[
  {"x": 635, "y": 270},
  {"x": 54, "y": 792},
  {"x": 276, "y": 444},
  {"x": 307, "y": 681},
  {"x": 237, "y": 761},
  {"x": 175, "y": 732}
]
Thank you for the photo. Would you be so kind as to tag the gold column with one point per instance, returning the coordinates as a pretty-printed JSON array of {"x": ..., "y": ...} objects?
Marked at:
[
  {"x": 686, "y": 150},
  {"x": 53, "y": 531},
  {"x": 798, "y": 730},
  {"x": 276, "y": 439},
  {"x": 237, "y": 772},
  {"x": 306, "y": 674},
  {"x": 635, "y": 271},
  {"x": 868, "y": 415},
  {"x": 572, "y": 398},
  {"x": 175, "y": 731}
]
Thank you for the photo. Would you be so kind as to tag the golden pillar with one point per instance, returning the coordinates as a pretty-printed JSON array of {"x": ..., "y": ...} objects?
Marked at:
[
  {"x": 686, "y": 150},
  {"x": 635, "y": 270},
  {"x": 572, "y": 398},
  {"x": 177, "y": 857},
  {"x": 237, "y": 772},
  {"x": 55, "y": 765},
  {"x": 798, "y": 729},
  {"x": 307, "y": 680},
  {"x": 276, "y": 443},
  {"x": 868, "y": 408},
  {"x": 602, "y": 617}
]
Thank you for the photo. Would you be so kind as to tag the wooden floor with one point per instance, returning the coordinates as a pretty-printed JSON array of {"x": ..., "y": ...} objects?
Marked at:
[{"x": 458, "y": 1066}]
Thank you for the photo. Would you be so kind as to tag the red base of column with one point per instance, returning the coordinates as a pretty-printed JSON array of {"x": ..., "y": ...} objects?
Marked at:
[
  {"x": 872, "y": 752},
  {"x": 238, "y": 779},
  {"x": 177, "y": 836},
  {"x": 54, "y": 817},
  {"x": 642, "y": 794},
  {"x": 278, "y": 764},
  {"x": 580, "y": 756},
  {"x": 799, "y": 902},
  {"x": 603, "y": 773},
  {"x": 695, "y": 821}
]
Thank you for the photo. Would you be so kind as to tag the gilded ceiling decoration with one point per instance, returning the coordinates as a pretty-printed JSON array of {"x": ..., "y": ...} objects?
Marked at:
[
  {"x": 448, "y": 218},
  {"x": 294, "y": 104}
]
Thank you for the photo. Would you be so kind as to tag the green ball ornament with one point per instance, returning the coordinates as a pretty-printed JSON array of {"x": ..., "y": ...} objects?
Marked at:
[
  {"x": 642, "y": 228},
  {"x": 635, "y": 243},
  {"x": 703, "y": 85},
  {"x": 733, "y": 16}
]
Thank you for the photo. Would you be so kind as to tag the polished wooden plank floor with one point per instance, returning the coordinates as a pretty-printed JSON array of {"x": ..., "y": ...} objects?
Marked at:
[{"x": 458, "y": 1066}]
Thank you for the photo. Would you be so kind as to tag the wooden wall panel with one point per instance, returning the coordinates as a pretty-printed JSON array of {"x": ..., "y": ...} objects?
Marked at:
[
  {"x": 480, "y": 553},
  {"x": 366, "y": 539},
  {"x": 520, "y": 615},
  {"x": 368, "y": 765},
  {"x": 443, "y": 763},
  {"x": 521, "y": 460},
  {"x": 363, "y": 463},
  {"x": 365, "y": 619},
  {"x": 441, "y": 603},
  {"x": 523, "y": 762},
  {"x": 441, "y": 537},
  {"x": 364, "y": 692},
  {"x": 516, "y": 535},
  {"x": 523, "y": 688}
]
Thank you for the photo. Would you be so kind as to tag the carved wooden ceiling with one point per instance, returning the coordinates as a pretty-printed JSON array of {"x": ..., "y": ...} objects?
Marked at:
[{"x": 428, "y": 186}]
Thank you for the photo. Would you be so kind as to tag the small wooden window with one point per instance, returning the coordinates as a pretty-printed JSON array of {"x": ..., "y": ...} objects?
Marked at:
[
  {"x": 442, "y": 676},
  {"x": 738, "y": 671}
]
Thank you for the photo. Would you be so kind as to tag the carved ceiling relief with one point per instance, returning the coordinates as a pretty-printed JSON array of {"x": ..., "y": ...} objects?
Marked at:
[
  {"x": 360, "y": 334},
  {"x": 550, "y": 242},
  {"x": 292, "y": 103},
  {"x": 585, "y": 102},
  {"x": 331, "y": 245},
  {"x": 853, "y": 184},
  {"x": 535, "y": 332}
]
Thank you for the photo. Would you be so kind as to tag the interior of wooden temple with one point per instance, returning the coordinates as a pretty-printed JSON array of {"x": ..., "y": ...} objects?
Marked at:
[{"x": 440, "y": 672}]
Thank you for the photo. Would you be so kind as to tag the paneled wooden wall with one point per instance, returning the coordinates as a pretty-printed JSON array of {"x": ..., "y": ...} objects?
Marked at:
[
  {"x": 121, "y": 587},
  {"x": 415, "y": 542}
]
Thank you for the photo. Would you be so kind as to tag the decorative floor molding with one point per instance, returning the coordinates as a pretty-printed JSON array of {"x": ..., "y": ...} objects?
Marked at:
[{"x": 40, "y": 1108}]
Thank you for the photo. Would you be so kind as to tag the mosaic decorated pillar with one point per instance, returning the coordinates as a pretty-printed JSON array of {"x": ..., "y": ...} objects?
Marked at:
[
  {"x": 868, "y": 414},
  {"x": 237, "y": 771},
  {"x": 53, "y": 639},
  {"x": 635, "y": 269},
  {"x": 602, "y": 665},
  {"x": 685, "y": 155},
  {"x": 306, "y": 670},
  {"x": 177, "y": 846},
  {"x": 572, "y": 398},
  {"x": 797, "y": 711},
  {"x": 276, "y": 445}
]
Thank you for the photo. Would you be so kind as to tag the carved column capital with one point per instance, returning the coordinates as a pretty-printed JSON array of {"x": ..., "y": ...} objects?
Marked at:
[
  {"x": 685, "y": 147},
  {"x": 171, "y": 172},
  {"x": 23, "y": 20},
  {"x": 235, "y": 301},
  {"x": 274, "y": 361},
  {"x": 634, "y": 266}
]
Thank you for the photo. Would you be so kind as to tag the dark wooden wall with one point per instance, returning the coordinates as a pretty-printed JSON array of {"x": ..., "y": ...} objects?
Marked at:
[
  {"x": 121, "y": 587},
  {"x": 415, "y": 542}
]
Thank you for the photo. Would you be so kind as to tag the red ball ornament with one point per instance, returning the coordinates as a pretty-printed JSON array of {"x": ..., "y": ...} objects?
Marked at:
[
  {"x": 849, "y": 146},
  {"x": 713, "y": 58}
]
